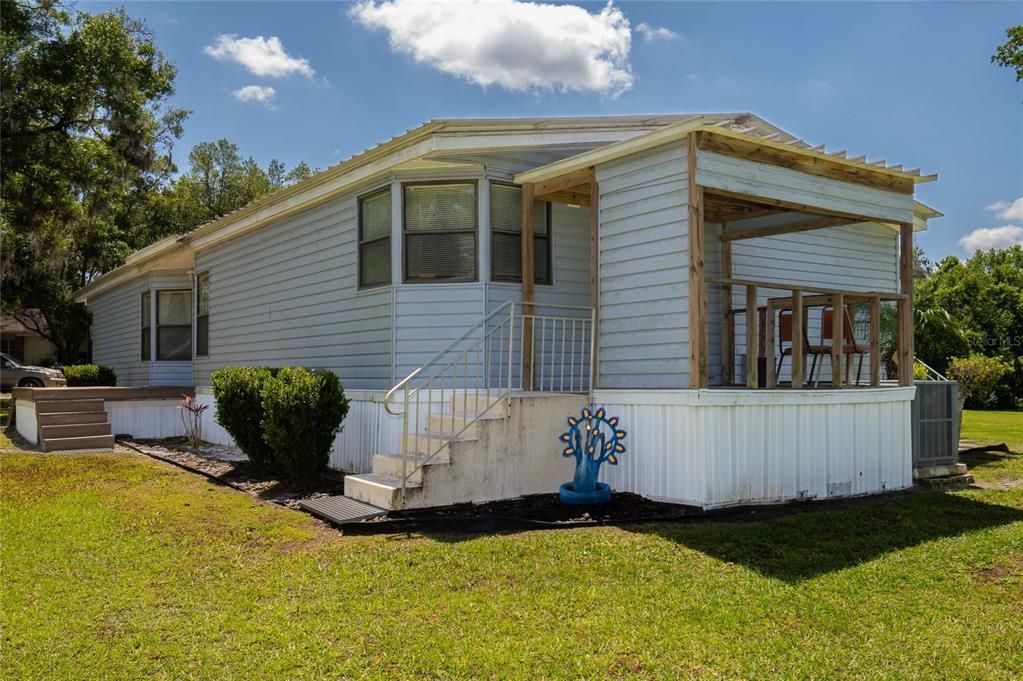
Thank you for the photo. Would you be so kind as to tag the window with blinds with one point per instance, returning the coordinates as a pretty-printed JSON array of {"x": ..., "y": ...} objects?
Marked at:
[
  {"x": 202, "y": 314},
  {"x": 147, "y": 322},
  {"x": 506, "y": 236},
  {"x": 174, "y": 325},
  {"x": 375, "y": 239},
  {"x": 440, "y": 232}
]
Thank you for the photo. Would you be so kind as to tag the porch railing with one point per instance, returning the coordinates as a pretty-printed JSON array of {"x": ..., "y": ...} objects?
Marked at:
[
  {"x": 761, "y": 325},
  {"x": 543, "y": 347}
]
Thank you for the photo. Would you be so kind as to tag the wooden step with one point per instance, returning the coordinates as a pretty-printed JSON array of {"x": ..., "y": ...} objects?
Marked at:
[
  {"x": 60, "y": 418},
  {"x": 389, "y": 465},
  {"x": 85, "y": 442},
  {"x": 74, "y": 430},
  {"x": 382, "y": 491},
  {"x": 58, "y": 406}
]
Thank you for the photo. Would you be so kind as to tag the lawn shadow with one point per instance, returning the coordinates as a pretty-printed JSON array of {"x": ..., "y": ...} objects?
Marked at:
[
  {"x": 810, "y": 542},
  {"x": 981, "y": 459}
]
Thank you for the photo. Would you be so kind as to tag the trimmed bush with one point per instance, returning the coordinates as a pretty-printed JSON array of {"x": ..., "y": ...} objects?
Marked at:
[
  {"x": 978, "y": 377},
  {"x": 81, "y": 375},
  {"x": 239, "y": 395},
  {"x": 302, "y": 412}
]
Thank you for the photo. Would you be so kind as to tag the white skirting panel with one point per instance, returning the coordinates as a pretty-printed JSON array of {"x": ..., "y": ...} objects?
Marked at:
[
  {"x": 25, "y": 420},
  {"x": 145, "y": 418},
  {"x": 718, "y": 448},
  {"x": 367, "y": 430}
]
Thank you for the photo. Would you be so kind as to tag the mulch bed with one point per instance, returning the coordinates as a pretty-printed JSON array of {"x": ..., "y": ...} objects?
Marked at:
[{"x": 231, "y": 467}]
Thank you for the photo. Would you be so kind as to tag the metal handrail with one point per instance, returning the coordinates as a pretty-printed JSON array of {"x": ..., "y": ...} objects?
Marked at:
[
  {"x": 931, "y": 371},
  {"x": 441, "y": 373}
]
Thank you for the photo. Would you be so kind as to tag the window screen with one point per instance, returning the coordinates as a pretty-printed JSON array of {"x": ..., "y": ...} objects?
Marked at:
[
  {"x": 174, "y": 325},
  {"x": 440, "y": 232},
  {"x": 375, "y": 239},
  {"x": 506, "y": 236},
  {"x": 202, "y": 314}
]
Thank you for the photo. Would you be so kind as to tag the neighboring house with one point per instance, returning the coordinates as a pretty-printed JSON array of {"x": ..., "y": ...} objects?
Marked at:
[
  {"x": 477, "y": 255},
  {"x": 24, "y": 344}
]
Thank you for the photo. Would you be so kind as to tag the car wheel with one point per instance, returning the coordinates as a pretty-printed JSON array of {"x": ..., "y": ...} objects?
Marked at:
[{"x": 30, "y": 383}]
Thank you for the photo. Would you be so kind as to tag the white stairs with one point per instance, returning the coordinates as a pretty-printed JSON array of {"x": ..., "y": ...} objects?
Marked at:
[{"x": 382, "y": 487}]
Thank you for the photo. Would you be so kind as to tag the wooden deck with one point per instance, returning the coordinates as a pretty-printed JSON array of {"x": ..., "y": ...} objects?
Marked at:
[{"x": 108, "y": 394}]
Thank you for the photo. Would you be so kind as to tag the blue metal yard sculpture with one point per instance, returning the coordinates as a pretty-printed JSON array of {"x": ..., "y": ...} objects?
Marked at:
[{"x": 592, "y": 439}]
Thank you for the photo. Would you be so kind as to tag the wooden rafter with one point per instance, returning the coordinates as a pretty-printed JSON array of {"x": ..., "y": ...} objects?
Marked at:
[{"x": 803, "y": 226}]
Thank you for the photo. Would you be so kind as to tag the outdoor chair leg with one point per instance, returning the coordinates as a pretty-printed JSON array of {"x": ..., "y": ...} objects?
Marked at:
[
  {"x": 859, "y": 369},
  {"x": 777, "y": 374},
  {"x": 813, "y": 365}
]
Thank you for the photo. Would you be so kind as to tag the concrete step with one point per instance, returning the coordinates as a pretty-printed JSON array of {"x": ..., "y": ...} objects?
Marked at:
[
  {"x": 389, "y": 465},
  {"x": 74, "y": 430},
  {"x": 453, "y": 423},
  {"x": 55, "y": 406},
  {"x": 382, "y": 491},
  {"x": 85, "y": 442},
  {"x": 60, "y": 418},
  {"x": 950, "y": 482},
  {"x": 942, "y": 471},
  {"x": 427, "y": 444}
]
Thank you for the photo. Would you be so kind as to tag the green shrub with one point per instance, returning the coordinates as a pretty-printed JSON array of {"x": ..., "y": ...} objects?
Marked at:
[
  {"x": 239, "y": 395},
  {"x": 81, "y": 375},
  {"x": 302, "y": 412},
  {"x": 978, "y": 376}
]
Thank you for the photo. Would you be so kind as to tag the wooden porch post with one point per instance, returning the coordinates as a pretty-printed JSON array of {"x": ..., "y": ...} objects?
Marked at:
[
  {"x": 697, "y": 286},
  {"x": 594, "y": 278},
  {"x": 752, "y": 337},
  {"x": 528, "y": 283},
  {"x": 798, "y": 351},
  {"x": 837, "y": 340},
  {"x": 727, "y": 318},
  {"x": 906, "y": 304},
  {"x": 875, "y": 341}
]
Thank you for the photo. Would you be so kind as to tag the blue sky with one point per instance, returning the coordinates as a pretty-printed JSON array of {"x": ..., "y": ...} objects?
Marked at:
[{"x": 908, "y": 82}]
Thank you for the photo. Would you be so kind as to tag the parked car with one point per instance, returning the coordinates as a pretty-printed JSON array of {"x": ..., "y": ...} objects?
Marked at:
[{"x": 15, "y": 374}]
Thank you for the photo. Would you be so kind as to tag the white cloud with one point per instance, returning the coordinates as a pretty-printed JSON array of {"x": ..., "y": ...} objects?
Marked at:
[
  {"x": 1007, "y": 211},
  {"x": 261, "y": 56},
  {"x": 992, "y": 237},
  {"x": 517, "y": 45},
  {"x": 655, "y": 33},
  {"x": 264, "y": 94}
]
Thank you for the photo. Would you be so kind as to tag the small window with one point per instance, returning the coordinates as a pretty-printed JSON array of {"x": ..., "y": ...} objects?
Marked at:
[
  {"x": 147, "y": 320},
  {"x": 440, "y": 232},
  {"x": 202, "y": 314},
  {"x": 375, "y": 239},
  {"x": 506, "y": 236},
  {"x": 174, "y": 325}
]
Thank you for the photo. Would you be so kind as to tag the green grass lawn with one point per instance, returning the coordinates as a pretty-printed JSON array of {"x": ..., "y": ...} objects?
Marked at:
[
  {"x": 117, "y": 567},
  {"x": 992, "y": 427}
]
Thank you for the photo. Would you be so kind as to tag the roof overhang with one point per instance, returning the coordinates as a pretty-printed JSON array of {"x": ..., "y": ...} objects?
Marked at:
[{"x": 771, "y": 145}]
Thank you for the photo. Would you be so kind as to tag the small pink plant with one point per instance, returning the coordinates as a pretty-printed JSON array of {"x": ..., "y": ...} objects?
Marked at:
[{"x": 191, "y": 417}]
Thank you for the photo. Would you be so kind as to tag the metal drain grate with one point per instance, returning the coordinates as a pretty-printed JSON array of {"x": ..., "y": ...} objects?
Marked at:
[{"x": 341, "y": 509}]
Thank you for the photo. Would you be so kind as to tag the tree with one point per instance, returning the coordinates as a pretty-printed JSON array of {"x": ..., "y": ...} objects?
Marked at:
[
  {"x": 84, "y": 124},
  {"x": 1010, "y": 54}
]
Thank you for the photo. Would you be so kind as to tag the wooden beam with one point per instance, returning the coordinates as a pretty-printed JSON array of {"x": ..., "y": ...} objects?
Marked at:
[
  {"x": 568, "y": 181},
  {"x": 727, "y": 320},
  {"x": 752, "y": 352},
  {"x": 837, "y": 342},
  {"x": 698, "y": 377},
  {"x": 574, "y": 197},
  {"x": 713, "y": 192},
  {"x": 803, "y": 226},
  {"x": 753, "y": 149},
  {"x": 528, "y": 285},
  {"x": 875, "y": 341},
  {"x": 905, "y": 358},
  {"x": 594, "y": 279},
  {"x": 798, "y": 351},
  {"x": 805, "y": 288}
]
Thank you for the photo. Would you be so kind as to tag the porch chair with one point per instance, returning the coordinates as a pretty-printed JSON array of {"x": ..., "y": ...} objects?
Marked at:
[
  {"x": 849, "y": 345},
  {"x": 785, "y": 336}
]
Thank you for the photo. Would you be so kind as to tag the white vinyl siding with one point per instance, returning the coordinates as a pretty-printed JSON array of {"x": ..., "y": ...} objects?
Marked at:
[
  {"x": 644, "y": 251},
  {"x": 116, "y": 331},
  {"x": 287, "y": 294}
]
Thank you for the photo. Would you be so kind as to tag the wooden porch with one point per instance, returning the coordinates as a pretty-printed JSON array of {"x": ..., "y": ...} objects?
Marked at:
[{"x": 736, "y": 213}]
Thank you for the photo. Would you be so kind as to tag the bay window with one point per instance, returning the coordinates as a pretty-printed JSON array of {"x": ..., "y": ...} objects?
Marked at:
[
  {"x": 147, "y": 322},
  {"x": 440, "y": 231},
  {"x": 202, "y": 314},
  {"x": 506, "y": 235},
  {"x": 375, "y": 239},
  {"x": 174, "y": 325}
]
